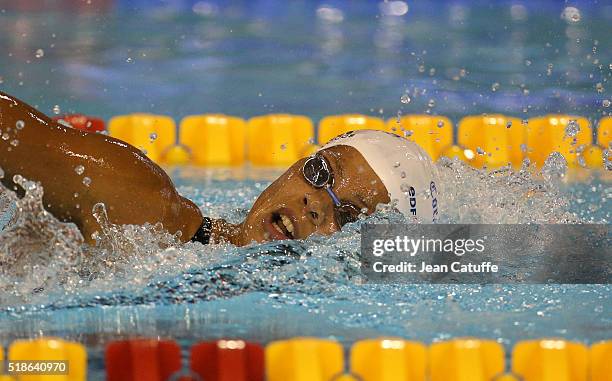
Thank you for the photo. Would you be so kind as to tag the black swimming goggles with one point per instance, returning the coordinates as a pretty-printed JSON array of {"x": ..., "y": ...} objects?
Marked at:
[{"x": 317, "y": 172}]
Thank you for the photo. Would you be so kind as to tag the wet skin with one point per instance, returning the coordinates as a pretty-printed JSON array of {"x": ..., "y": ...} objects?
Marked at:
[
  {"x": 311, "y": 210},
  {"x": 136, "y": 191}
]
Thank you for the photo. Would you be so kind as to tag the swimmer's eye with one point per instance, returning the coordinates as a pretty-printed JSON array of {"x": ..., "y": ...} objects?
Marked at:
[{"x": 346, "y": 213}]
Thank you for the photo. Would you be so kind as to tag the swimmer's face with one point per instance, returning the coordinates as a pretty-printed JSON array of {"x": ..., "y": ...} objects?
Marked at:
[{"x": 291, "y": 208}]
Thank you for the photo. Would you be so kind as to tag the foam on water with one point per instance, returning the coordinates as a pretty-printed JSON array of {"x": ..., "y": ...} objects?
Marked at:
[
  {"x": 140, "y": 281},
  {"x": 45, "y": 261}
]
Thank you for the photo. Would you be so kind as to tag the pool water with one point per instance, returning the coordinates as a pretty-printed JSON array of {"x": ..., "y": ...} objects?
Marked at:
[
  {"x": 139, "y": 281},
  {"x": 249, "y": 58}
]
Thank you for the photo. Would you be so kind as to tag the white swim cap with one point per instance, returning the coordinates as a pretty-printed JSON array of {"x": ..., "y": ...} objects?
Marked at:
[{"x": 404, "y": 168}]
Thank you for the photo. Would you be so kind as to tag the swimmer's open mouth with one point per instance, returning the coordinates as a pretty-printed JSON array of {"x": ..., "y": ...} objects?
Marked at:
[{"x": 281, "y": 225}]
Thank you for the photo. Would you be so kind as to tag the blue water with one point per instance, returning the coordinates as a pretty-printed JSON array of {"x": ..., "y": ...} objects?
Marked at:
[
  {"x": 315, "y": 58},
  {"x": 314, "y": 287},
  {"x": 248, "y": 58}
]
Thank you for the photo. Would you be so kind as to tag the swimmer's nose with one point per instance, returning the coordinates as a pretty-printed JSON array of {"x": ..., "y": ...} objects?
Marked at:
[{"x": 314, "y": 209}]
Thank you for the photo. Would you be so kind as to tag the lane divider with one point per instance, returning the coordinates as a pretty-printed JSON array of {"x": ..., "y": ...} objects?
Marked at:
[
  {"x": 604, "y": 132},
  {"x": 334, "y": 125},
  {"x": 153, "y": 134},
  {"x": 466, "y": 359},
  {"x": 433, "y": 133},
  {"x": 600, "y": 357},
  {"x": 228, "y": 360},
  {"x": 278, "y": 140},
  {"x": 565, "y": 134},
  {"x": 304, "y": 359},
  {"x": 214, "y": 139},
  {"x": 82, "y": 122},
  {"x": 494, "y": 140},
  {"x": 142, "y": 359},
  {"x": 550, "y": 360},
  {"x": 315, "y": 359},
  {"x": 50, "y": 349},
  {"x": 388, "y": 359}
]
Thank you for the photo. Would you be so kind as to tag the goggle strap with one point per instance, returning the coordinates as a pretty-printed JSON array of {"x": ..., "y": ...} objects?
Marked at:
[{"x": 335, "y": 198}]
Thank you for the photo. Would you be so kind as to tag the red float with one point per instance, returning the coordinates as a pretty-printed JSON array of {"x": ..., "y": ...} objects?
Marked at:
[
  {"x": 142, "y": 359},
  {"x": 83, "y": 122},
  {"x": 228, "y": 360}
]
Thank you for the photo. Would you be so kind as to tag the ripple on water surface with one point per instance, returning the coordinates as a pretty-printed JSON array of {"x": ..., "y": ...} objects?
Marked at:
[{"x": 140, "y": 280}]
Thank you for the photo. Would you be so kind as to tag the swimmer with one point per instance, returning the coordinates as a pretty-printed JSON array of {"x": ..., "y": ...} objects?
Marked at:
[{"x": 347, "y": 177}]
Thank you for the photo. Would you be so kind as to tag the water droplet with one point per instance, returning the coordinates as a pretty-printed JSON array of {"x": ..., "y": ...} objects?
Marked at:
[
  {"x": 39, "y": 53},
  {"x": 440, "y": 123},
  {"x": 606, "y": 103},
  {"x": 99, "y": 212},
  {"x": 607, "y": 160},
  {"x": 549, "y": 68},
  {"x": 152, "y": 137},
  {"x": 527, "y": 63},
  {"x": 599, "y": 87},
  {"x": 555, "y": 166},
  {"x": 64, "y": 122},
  {"x": 571, "y": 14},
  {"x": 1, "y": 173},
  {"x": 20, "y": 124},
  {"x": 79, "y": 169},
  {"x": 432, "y": 71},
  {"x": 405, "y": 99},
  {"x": 480, "y": 151},
  {"x": 76, "y": 195},
  {"x": 572, "y": 128},
  {"x": 5, "y": 136},
  {"x": 431, "y": 103},
  {"x": 495, "y": 86},
  {"x": 86, "y": 181},
  {"x": 509, "y": 124},
  {"x": 129, "y": 60},
  {"x": 403, "y": 175},
  {"x": 14, "y": 142},
  {"x": 56, "y": 109},
  {"x": 396, "y": 164},
  {"x": 283, "y": 146}
]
